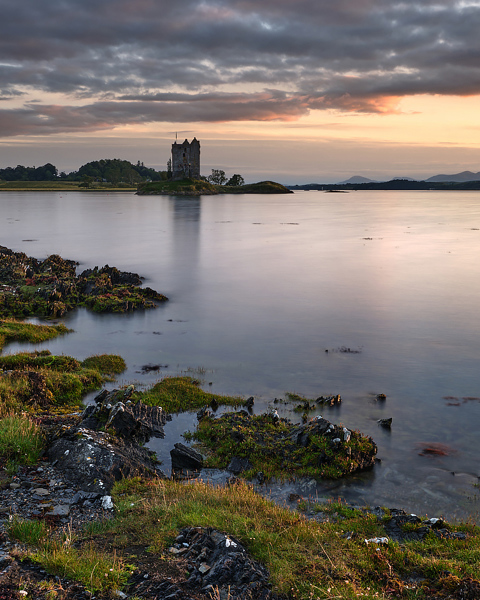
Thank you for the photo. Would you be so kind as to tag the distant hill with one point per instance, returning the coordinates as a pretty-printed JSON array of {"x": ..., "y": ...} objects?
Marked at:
[
  {"x": 357, "y": 179},
  {"x": 458, "y": 177}
]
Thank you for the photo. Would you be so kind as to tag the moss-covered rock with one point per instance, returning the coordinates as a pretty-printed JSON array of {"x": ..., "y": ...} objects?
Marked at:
[
  {"x": 51, "y": 287},
  {"x": 277, "y": 448}
]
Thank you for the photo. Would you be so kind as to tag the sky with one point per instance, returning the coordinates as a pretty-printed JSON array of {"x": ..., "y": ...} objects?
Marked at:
[{"x": 296, "y": 91}]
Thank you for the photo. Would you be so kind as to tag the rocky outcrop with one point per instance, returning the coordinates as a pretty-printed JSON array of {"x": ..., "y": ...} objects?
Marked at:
[
  {"x": 114, "y": 412},
  {"x": 318, "y": 448},
  {"x": 217, "y": 561},
  {"x": 51, "y": 287},
  {"x": 105, "y": 446},
  {"x": 94, "y": 460}
]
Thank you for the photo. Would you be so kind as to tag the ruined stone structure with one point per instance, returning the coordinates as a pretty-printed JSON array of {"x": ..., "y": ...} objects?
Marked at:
[{"x": 186, "y": 159}]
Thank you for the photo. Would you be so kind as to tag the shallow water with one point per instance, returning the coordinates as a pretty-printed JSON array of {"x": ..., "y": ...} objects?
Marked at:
[{"x": 261, "y": 286}]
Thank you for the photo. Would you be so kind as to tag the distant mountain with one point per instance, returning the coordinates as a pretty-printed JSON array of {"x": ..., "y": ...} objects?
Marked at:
[
  {"x": 404, "y": 178},
  {"x": 357, "y": 179},
  {"x": 458, "y": 177}
]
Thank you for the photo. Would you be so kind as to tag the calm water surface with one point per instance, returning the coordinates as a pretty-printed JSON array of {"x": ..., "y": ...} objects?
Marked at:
[{"x": 261, "y": 286}]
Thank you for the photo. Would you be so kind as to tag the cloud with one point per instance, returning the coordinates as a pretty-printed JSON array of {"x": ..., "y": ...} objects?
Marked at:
[{"x": 120, "y": 61}]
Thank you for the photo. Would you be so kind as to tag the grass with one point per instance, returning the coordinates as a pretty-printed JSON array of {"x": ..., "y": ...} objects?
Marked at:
[
  {"x": 109, "y": 364},
  {"x": 189, "y": 187},
  {"x": 13, "y": 330},
  {"x": 64, "y": 186},
  {"x": 98, "y": 571},
  {"x": 307, "y": 559},
  {"x": 21, "y": 442},
  {"x": 270, "y": 446},
  {"x": 179, "y": 394},
  {"x": 41, "y": 380}
]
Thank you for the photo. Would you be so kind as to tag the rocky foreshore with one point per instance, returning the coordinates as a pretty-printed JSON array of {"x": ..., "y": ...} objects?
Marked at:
[
  {"x": 86, "y": 453},
  {"x": 51, "y": 287}
]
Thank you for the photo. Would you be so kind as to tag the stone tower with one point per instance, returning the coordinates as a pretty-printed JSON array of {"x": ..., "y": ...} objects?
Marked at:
[{"x": 186, "y": 159}]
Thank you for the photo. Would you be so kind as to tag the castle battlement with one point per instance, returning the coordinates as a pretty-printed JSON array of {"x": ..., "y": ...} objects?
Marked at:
[{"x": 186, "y": 159}]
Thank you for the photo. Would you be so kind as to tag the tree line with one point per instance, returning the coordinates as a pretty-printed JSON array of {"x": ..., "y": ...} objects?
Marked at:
[{"x": 106, "y": 170}]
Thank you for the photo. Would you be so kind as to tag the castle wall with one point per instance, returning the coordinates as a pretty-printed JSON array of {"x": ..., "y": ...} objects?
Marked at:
[{"x": 186, "y": 159}]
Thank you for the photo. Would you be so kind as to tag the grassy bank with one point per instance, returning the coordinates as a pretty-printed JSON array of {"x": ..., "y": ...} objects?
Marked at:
[
  {"x": 62, "y": 186},
  {"x": 179, "y": 394},
  {"x": 18, "y": 331},
  {"x": 307, "y": 559}
]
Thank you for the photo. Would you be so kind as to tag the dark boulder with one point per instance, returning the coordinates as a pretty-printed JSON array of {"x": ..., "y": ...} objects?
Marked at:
[
  {"x": 220, "y": 564},
  {"x": 94, "y": 460},
  {"x": 238, "y": 465},
  {"x": 185, "y": 458}
]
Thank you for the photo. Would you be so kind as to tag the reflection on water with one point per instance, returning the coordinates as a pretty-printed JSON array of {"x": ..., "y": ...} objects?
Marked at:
[{"x": 261, "y": 287}]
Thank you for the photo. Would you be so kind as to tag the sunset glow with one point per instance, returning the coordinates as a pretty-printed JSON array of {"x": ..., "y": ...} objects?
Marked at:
[{"x": 295, "y": 91}]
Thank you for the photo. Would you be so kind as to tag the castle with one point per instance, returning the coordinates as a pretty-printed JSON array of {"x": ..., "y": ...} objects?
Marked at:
[{"x": 186, "y": 160}]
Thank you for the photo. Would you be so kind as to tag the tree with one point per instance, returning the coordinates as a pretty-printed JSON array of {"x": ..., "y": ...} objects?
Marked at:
[
  {"x": 236, "y": 180},
  {"x": 217, "y": 177}
]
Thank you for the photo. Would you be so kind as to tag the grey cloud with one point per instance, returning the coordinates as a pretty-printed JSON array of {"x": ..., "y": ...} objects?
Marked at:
[{"x": 321, "y": 54}]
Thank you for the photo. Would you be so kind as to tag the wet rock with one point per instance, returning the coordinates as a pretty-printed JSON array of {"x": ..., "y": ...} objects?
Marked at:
[
  {"x": 238, "y": 465},
  {"x": 387, "y": 423},
  {"x": 187, "y": 458},
  {"x": 204, "y": 412},
  {"x": 250, "y": 402},
  {"x": 329, "y": 400},
  {"x": 301, "y": 434}
]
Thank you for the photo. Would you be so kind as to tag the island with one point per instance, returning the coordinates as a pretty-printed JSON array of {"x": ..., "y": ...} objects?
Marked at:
[{"x": 200, "y": 187}]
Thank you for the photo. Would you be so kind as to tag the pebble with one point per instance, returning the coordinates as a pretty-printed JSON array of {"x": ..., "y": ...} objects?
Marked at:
[{"x": 43, "y": 491}]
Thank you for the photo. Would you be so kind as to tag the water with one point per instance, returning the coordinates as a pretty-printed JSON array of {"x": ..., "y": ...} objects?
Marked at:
[{"x": 261, "y": 286}]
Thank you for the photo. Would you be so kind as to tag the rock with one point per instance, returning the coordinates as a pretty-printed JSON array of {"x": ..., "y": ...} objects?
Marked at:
[
  {"x": 41, "y": 492},
  {"x": 238, "y": 465},
  {"x": 61, "y": 510},
  {"x": 95, "y": 460},
  {"x": 274, "y": 415},
  {"x": 381, "y": 397},
  {"x": 377, "y": 540},
  {"x": 301, "y": 434},
  {"x": 204, "y": 412},
  {"x": 261, "y": 477},
  {"x": 82, "y": 495},
  {"x": 387, "y": 423},
  {"x": 184, "y": 457},
  {"x": 107, "y": 503},
  {"x": 112, "y": 411},
  {"x": 249, "y": 403}
]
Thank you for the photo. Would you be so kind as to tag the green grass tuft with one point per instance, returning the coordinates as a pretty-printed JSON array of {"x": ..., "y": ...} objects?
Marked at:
[
  {"x": 21, "y": 441},
  {"x": 179, "y": 394},
  {"x": 109, "y": 364},
  {"x": 12, "y": 330}
]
